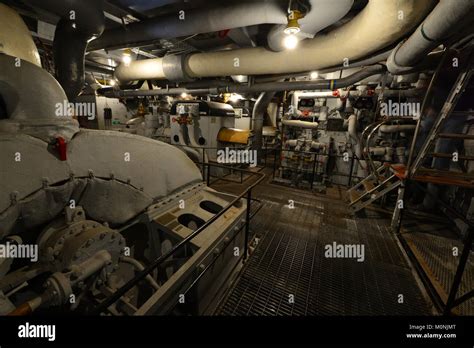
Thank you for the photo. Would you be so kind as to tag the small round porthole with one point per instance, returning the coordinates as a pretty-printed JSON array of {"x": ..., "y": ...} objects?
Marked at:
[
  {"x": 210, "y": 207},
  {"x": 176, "y": 138},
  {"x": 190, "y": 221},
  {"x": 201, "y": 141}
]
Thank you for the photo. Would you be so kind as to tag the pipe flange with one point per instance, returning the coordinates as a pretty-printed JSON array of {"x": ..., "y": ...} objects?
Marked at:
[
  {"x": 392, "y": 65},
  {"x": 174, "y": 68}
]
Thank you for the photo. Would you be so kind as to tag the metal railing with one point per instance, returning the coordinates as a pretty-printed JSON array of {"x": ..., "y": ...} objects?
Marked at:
[{"x": 161, "y": 259}]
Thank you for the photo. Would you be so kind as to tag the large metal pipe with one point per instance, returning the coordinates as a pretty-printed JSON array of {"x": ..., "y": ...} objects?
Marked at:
[
  {"x": 440, "y": 24},
  {"x": 184, "y": 23},
  {"x": 336, "y": 48},
  {"x": 81, "y": 21},
  {"x": 260, "y": 87},
  {"x": 258, "y": 116}
]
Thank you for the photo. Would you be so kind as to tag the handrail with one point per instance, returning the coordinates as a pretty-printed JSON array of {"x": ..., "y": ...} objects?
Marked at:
[{"x": 159, "y": 260}]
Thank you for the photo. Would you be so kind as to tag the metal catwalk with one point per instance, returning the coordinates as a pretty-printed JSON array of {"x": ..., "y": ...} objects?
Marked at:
[{"x": 288, "y": 273}]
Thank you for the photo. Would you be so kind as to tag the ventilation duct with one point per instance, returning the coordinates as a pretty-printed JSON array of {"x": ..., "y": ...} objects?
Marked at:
[{"x": 373, "y": 29}]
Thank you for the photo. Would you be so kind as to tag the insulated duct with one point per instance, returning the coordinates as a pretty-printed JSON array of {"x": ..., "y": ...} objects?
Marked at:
[
  {"x": 377, "y": 26},
  {"x": 440, "y": 24},
  {"x": 81, "y": 21}
]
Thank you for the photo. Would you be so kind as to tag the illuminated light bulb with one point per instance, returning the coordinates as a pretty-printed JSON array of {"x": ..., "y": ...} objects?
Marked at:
[
  {"x": 314, "y": 75},
  {"x": 290, "y": 42},
  {"x": 235, "y": 97},
  {"x": 184, "y": 95},
  {"x": 112, "y": 82},
  {"x": 127, "y": 57}
]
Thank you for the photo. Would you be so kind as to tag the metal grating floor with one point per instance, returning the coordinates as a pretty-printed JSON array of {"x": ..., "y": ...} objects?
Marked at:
[
  {"x": 432, "y": 244},
  {"x": 288, "y": 273}
]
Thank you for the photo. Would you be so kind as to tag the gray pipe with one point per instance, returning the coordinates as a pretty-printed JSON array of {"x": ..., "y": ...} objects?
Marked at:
[
  {"x": 261, "y": 87},
  {"x": 439, "y": 25},
  {"x": 243, "y": 14},
  {"x": 258, "y": 116},
  {"x": 81, "y": 21}
]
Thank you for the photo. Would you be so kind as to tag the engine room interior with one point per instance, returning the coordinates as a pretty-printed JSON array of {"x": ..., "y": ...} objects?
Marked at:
[{"x": 243, "y": 158}]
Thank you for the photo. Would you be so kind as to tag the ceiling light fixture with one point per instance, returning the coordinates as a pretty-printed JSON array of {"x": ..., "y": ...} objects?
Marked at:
[
  {"x": 293, "y": 27},
  {"x": 314, "y": 75}
]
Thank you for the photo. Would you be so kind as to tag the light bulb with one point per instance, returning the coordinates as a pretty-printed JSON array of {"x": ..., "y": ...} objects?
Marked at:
[
  {"x": 290, "y": 42},
  {"x": 126, "y": 59},
  {"x": 314, "y": 75}
]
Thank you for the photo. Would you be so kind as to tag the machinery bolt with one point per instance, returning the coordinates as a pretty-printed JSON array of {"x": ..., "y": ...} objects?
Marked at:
[{"x": 202, "y": 267}]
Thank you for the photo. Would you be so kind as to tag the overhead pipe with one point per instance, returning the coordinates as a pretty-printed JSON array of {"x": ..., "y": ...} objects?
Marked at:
[
  {"x": 260, "y": 87},
  {"x": 243, "y": 14},
  {"x": 440, "y": 24},
  {"x": 333, "y": 49}
]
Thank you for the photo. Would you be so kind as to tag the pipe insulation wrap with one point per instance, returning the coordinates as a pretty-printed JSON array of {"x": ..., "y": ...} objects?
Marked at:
[
  {"x": 259, "y": 87},
  {"x": 439, "y": 25},
  {"x": 15, "y": 37},
  {"x": 258, "y": 115},
  {"x": 96, "y": 175},
  {"x": 377, "y": 26},
  {"x": 185, "y": 23},
  {"x": 31, "y": 96}
]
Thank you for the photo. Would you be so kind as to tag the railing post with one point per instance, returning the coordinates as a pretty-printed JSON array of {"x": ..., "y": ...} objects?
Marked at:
[
  {"x": 208, "y": 177},
  {"x": 247, "y": 224}
]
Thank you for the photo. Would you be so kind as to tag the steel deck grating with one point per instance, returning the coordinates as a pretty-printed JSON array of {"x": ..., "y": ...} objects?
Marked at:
[
  {"x": 433, "y": 245},
  {"x": 290, "y": 260}
]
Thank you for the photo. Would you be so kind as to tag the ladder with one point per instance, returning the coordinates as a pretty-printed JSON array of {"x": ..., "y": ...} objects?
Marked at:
[{"x": 372, "y": 188}]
